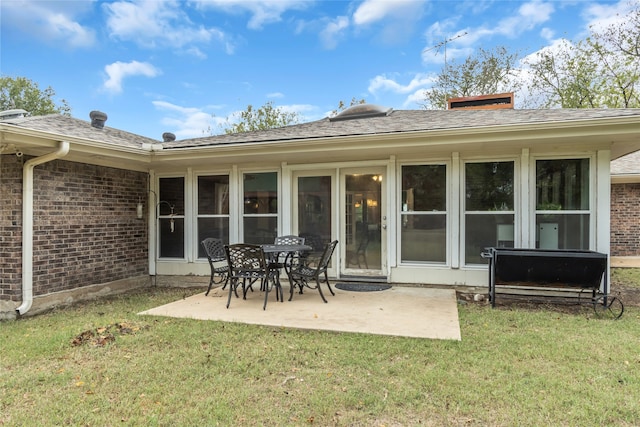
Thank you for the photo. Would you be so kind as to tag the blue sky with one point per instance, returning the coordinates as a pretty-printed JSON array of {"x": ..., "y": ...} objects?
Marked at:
[{"x": 188, "y": 66}]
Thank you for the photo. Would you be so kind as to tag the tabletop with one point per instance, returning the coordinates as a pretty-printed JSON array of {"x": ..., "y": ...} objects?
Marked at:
[{"x": 271, "y": 248}]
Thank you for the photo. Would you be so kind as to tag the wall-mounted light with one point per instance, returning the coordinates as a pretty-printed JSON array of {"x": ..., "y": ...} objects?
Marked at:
[{"x": 139, "y": 209}]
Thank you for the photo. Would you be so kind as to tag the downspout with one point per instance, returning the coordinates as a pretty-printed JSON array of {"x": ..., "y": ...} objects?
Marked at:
[{"x": 27, "y": 222}]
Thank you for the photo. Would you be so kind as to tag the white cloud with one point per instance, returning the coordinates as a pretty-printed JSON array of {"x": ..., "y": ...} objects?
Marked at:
[
  {"x": 151, "y": 23},
  {"x": 416, "y": 98},
  {"x": 52, "y": 22},
  {"x": 385, "y": 84},
  {"x": 601, "y": 16},
  {"x": 188, "y": 122},
  {"x": 397, "y": 17},
  {"x": 528, "y": 17},
  {"x": 333, "y": 31},
  {"x": 275, "y": 95},
  {"x": 371, "y": 11},
  {"x": 118, "y": 71},
  {"x": 547, "y": 33},
  {"x": 262, "y": 11}
]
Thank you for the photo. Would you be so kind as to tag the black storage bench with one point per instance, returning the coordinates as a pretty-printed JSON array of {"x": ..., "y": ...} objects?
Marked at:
[{"x": 550, "y": 273}]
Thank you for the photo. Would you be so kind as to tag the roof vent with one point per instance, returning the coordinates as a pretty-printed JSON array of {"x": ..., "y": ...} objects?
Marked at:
[
  {"x": 12, "y": 114},
  {"x": 362, "y": 111},
  {"x": 168, "y": 137},
  {"x": 97, "y": 119},
  {"x": 483, "y": 102}
]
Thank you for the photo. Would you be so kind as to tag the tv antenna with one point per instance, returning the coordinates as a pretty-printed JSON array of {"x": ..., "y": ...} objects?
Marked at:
[{"x": 443, "y": 44}]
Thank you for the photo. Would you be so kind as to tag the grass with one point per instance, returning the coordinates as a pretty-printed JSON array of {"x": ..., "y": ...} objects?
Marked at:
[{"x": 513, "y": 367}]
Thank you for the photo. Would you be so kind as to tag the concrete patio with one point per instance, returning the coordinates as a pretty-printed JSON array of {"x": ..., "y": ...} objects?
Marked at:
[{"x": 400, "y": 311}]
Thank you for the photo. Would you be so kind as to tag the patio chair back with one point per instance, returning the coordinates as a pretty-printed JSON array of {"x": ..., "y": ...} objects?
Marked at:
[
  {"x": 247, "y": 264},
  {"x": 279, "y": 259},
  {"x": 246, "y": 261},
  {"x": 313, "y": 269},
  {"x": 289, "y": 240},
  {"x": 325, "y": 259},
  {"x": 214, "y": 249}
]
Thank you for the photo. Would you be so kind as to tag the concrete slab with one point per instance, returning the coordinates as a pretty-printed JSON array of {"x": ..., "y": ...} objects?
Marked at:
[{"x": 400, "y": 311}]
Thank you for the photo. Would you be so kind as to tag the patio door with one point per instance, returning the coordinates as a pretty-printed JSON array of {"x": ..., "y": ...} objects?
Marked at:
[
  {"x": 364, "y": 223},
  {"x": 314, "y": 208}
]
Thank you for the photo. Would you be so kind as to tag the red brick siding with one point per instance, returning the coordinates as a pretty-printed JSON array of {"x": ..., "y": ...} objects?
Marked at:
[
  {"x": 85, "y": 227},
  {"x": 625, "y": 221},
  {"x": 10, "y": 227}
]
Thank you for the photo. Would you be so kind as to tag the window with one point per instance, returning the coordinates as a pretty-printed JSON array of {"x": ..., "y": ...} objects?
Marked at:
[
  {"x": 260, "y": 210},
  {"x": 170, "y": 213},
  {"x": 213, "y": 209},
  {"x": 314, "y": 210},
  {"x": 562, "y": 204},
  {"x": 424, "y": 213},
  {"x": 489, "y": 208}
]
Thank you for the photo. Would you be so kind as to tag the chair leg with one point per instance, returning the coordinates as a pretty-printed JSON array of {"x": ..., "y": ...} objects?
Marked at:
[
  {"x": 212, "y": 281},
  {"x": 265, "y": 284},
  {"x": 245, "y": 287},
  {"x": 232, "y": 288},
  {"x": 210, "y": 284},
  {"x": 326, "y": 279},
  {"x": 320, "y": 289},
  {"x": 292, "y": 284}
]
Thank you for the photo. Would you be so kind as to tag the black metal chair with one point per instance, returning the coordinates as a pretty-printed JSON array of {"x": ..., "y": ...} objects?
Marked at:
[
  {"x": 247, "y": 265},
  {"x": 279, "y": 260},
  {"x": 214, "y": 249},
  {"x": 303, "y": 274}
]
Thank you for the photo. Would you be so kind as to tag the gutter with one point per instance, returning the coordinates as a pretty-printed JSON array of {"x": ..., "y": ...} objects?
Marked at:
[{"x": 27, "y": 222}]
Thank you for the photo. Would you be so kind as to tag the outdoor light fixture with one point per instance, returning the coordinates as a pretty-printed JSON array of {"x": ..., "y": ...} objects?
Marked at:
[{"x": 139, "y": 209}]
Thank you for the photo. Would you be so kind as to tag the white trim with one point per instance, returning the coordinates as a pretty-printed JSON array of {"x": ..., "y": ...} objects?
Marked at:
[
  {"x": 189, "y": 217},
  {"x": 592, "y": 193},
  {"x": 523, "y": 236},
  {"x": 603, "y": 202},
  {"x": 455, "y": 206}
]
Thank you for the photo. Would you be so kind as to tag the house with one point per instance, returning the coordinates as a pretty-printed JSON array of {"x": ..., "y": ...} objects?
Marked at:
[
  {"x": 625, "y": 211},
  {"x": 412, "y": 196}
]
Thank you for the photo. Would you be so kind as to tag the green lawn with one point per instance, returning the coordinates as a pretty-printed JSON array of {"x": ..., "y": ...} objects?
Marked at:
[{"x": 512, "y": 367}]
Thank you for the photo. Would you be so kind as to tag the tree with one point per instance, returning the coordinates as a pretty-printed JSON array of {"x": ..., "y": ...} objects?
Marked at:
[
  {"x": 588, "y": 74},
  {"x": 489, "y": 71},
  {"x": 562, "y": 77},
  {"x": 266, "y": 117},
  {"x": 600, "y": 71},
  {"x": 22, "y": 93},
  {"x": 625, "y": 34}
]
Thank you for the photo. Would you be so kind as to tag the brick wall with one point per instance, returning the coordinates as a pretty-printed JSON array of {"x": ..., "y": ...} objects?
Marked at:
[
  {"x": 85, "y": 227},
  {"x": 625, "y": 221},
  {"x": 10, "y": 227}
]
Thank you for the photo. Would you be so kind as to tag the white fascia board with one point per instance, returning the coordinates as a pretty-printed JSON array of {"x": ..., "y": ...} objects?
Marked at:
[{"x": 628, "y": 178}]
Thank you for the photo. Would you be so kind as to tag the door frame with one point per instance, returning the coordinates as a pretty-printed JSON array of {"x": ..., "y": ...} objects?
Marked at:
[{"x": 385, "y": 222}]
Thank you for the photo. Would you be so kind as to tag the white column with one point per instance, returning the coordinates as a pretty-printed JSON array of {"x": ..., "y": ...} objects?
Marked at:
[
  {"x": 456, "y": 216},
  {"x": 525, "y": 211}
]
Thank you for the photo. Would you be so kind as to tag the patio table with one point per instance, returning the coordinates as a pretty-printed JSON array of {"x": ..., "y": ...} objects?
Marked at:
[{"x": 289, "y": 251}]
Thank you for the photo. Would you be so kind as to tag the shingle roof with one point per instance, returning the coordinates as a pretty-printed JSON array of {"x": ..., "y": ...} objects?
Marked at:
[
  {"x": 629, "y": 164},
  {"x": 72, "y": 127},
  {"x": 397, "y": 121},
  {"x": 407, "y": 121}
]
